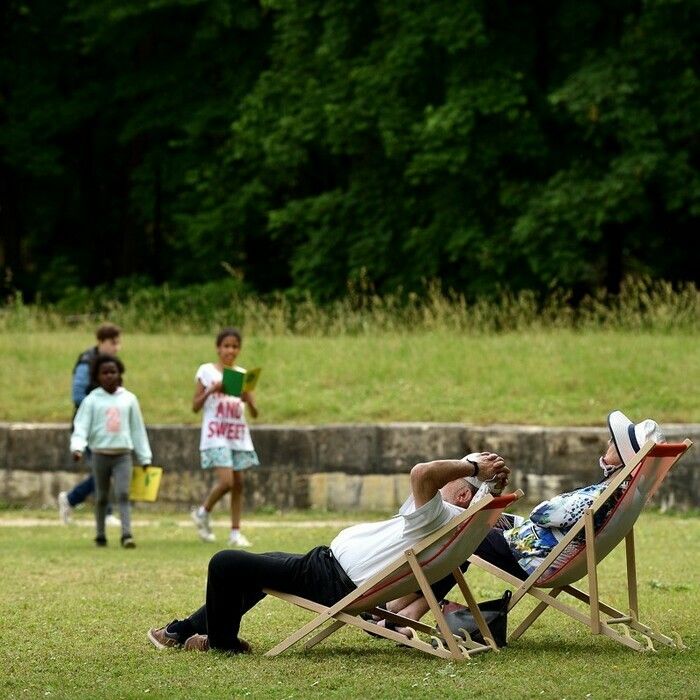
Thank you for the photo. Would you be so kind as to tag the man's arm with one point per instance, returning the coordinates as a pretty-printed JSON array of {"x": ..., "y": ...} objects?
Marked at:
[
  {"x": 81, "y": 381},
  {"x": 429, "y": 477}
]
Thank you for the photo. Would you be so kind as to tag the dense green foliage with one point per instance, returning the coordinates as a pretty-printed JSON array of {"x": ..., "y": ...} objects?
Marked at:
[{"x": 316, "y": 144}]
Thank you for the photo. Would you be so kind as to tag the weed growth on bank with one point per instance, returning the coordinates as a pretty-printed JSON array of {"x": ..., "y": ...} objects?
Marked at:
[{"x": 643, "y": 304}]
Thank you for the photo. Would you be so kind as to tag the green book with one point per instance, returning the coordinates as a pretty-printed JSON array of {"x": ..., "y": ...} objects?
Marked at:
[{"x": 236, "y": 380}]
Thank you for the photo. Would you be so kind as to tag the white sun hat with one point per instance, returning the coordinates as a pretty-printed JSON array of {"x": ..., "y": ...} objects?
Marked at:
[{"x": 630, "y": 438}]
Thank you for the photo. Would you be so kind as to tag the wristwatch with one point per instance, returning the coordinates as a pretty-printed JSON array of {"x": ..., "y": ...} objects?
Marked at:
[{"x": 474, "y": 464}]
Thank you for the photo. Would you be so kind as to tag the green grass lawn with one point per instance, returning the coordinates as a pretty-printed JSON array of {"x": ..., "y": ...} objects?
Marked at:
[
  {"x": 74, "y": 622},
  {"x": 550, "y": 378}
]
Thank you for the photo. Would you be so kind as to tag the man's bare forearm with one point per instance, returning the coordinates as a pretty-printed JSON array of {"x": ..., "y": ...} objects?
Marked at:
[{"x": 427, "y": 478}]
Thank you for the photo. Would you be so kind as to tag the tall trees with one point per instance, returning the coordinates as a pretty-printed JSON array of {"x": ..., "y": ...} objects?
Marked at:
[{"x": 309, "y": 144}]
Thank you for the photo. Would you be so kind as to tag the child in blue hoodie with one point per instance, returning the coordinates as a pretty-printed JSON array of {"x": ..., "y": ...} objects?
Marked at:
[{"x": 109, "y": 421}]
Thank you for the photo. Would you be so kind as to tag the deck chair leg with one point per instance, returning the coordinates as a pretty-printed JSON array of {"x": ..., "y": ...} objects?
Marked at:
[
  {"x": 325, "y": 632},
  {"x": 616, "y": 614},
  {"x": 631, "y": 575},
  {"x": 434, "y": 606},
  {"x": 474, "y": 610},
  {"x": 534, "y": 614},
  {"x": 299, "y": 634},
  {"x": 592, "y": 572}
]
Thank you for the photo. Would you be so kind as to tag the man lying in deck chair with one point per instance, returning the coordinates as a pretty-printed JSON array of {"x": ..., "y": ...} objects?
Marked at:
[
  {"x": 519, "y": 550},
  {"x": 325, "y": 575}
]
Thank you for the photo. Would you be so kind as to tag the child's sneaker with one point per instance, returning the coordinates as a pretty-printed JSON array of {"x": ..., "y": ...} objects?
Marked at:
[
  {"x": 101, "y": 541},
  {"x": 128, "y": 542},
  {"x": 238, "y": 539},
  {"x": 64, "y": 508},
  {"x": 200, "y": 518},
  {"x": 112, "y": 520}
]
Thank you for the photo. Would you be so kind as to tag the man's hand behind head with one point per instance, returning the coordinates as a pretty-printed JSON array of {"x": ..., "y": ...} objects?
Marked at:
[{"x": 492, "y": 466}]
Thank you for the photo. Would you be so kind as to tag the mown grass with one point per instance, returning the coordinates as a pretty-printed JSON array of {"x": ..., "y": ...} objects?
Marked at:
[
  {"x": 554, "y": 377},
  {"x": 75, "y": 621}
]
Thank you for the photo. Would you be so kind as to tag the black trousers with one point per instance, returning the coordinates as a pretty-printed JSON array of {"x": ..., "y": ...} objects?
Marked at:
[
  {"x": 236, "y": 580},
  {"x": 495, "y": 550}
]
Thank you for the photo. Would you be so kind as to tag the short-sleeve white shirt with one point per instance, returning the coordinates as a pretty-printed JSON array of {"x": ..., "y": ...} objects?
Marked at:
[
  {"x": 363, "y": 550},
  {"x": 223, "y": 416}
]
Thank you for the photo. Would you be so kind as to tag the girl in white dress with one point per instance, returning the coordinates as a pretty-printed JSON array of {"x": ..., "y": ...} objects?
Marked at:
[{"x": 225, "y": 445}]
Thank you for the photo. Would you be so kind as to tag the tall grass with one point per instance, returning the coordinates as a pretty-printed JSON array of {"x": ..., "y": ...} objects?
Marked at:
[{"x": 642, "y": 304}]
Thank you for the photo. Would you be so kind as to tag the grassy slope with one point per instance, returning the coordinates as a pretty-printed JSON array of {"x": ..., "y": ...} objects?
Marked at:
[
  {"x": 554, "y": 378},
  {"x": 74, "y": 624}
]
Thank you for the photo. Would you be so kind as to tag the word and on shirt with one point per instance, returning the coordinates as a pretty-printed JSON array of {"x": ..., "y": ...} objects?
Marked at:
[{"x": 227, "y": 421}]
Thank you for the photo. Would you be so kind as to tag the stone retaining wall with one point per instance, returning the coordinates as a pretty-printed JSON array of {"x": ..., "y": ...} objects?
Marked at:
[{"x": 339, "y": 466}]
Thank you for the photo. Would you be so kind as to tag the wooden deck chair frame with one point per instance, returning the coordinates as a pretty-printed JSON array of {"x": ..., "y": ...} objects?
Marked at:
[
  {"x": 597, "y": 608},
  {"x": 345, "y": 611}
]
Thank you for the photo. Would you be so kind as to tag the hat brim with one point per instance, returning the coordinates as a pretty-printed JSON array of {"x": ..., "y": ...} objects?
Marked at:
[{"x": 623, "y": 436}]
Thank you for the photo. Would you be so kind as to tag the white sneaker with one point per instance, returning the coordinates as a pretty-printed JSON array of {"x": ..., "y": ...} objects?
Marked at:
[
  {"x": 64, "y": 508},
  {"x": 201, "y": 520},
  {"x": 238, "y": 540},
  {"x": 112, "y": 520}
]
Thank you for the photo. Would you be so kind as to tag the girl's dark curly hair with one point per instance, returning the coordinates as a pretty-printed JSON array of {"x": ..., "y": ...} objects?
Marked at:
[{"x": 99, "y": 361}]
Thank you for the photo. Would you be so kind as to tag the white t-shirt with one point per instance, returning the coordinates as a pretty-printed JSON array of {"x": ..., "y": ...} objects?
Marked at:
[
  {"x": 363, "y": 550},
  {"x": 223, "y": 416}
]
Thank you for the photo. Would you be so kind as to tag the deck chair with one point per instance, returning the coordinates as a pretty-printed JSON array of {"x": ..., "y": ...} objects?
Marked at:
[
  {"x": 433, "y": 558},
  {"x": 583, "y": 548}
]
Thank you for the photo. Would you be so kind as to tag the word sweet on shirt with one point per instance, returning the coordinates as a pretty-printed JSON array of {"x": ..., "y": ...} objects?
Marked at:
[{"x": 227, "y": 422}]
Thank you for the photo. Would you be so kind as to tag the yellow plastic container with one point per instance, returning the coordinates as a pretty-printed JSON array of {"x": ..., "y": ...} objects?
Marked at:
[{"x": 145, "y": 483}]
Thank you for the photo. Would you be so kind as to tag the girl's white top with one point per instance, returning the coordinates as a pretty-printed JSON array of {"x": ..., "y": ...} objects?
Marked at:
[{"x": 223, "y": 416}]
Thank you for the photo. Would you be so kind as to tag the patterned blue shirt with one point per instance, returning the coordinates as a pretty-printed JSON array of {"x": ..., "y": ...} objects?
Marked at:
[{"x": 551, "y": 520}]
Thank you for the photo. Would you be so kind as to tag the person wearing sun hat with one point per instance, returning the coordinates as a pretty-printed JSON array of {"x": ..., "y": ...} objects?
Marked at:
[
  {"x": 549, "y": 521},
  {"x": 629, "y": 438},
  {"x": 522, "y": 548}
]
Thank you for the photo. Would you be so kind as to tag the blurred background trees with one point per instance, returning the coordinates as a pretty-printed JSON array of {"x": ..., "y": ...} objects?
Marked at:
[{"x": 312, "y": 145}]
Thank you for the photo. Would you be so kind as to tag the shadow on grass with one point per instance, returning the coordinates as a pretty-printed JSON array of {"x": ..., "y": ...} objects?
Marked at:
[{"x": 593, "y": 649}]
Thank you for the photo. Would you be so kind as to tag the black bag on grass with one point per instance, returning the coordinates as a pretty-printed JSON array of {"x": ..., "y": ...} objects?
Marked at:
[{"x": 495, "y": 613}]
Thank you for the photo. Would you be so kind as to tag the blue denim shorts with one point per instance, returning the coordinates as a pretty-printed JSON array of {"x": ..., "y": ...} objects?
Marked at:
[{"x": 232, "y": 459}]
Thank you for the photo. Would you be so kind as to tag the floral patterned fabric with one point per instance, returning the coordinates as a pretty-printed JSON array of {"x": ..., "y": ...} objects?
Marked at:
[
  {"x": 238, "y": 460},
  {"x": 549, "y": 522}
]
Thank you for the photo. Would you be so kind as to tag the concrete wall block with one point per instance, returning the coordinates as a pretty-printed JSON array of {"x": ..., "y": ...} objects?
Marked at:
[
  {"x": 318, "y": 491},
  {"x": 383, "y": 492},
  {"x": 175, "y": 447},
  {"x": 36, "y": 463},
  {"x": 186, "y": 487},
  {"x": 575, "y": 452},
  {"x": 37, "y": 447},
  {"x": 522, "y": 447},
  {"x": 378, "y": 492},
  {"x": 4, "y": 446},
  {"x": 270, "y": 488},
  {"x": 539, "y": 487},
  {"x": 30, "y": 487},
  {"x": 401, "y": 445},
  {"x": 682, "y": 488},
  {"x": 402, "y": 488},
  {"x": 343, "y": 491},
  {"x": 287, "y": 448},
  {"x": 348, "y": 448},
  {"x": 276, "y": 488},
  {"x": 5, "y": 471}
]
